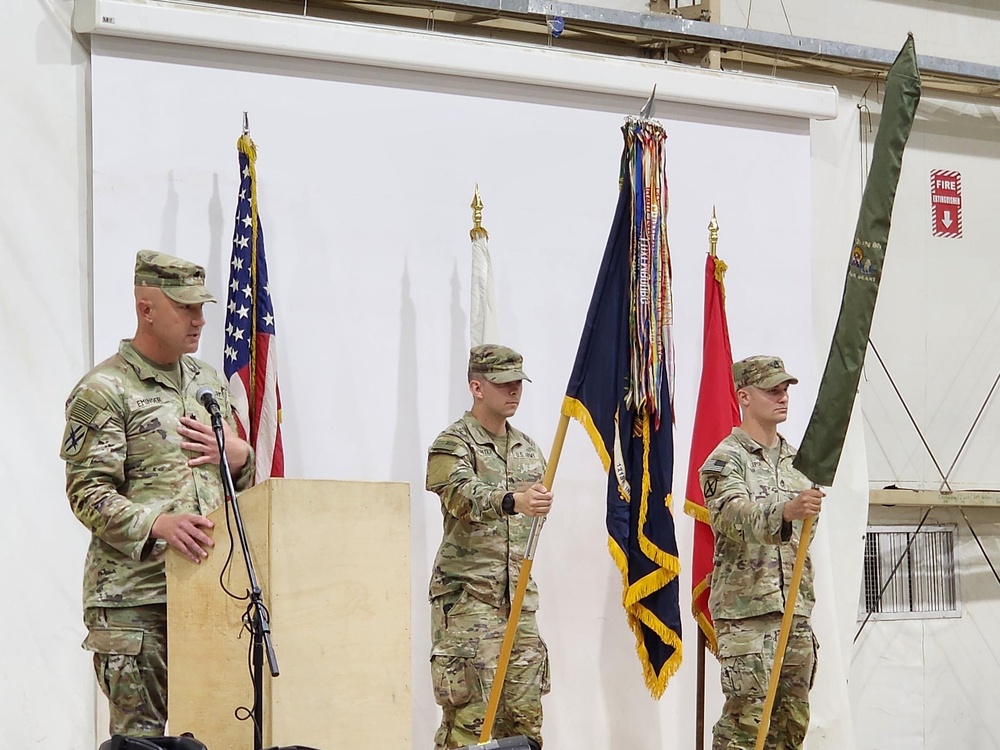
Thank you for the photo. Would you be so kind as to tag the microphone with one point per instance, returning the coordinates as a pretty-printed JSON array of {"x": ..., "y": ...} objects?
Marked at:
[{"x": 207, "y": 397}]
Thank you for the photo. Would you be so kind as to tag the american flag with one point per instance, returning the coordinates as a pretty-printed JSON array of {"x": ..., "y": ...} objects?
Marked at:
[{"x": 250, "y": 364}]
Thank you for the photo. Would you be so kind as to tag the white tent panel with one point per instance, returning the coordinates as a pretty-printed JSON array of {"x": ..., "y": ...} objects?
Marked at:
[
  {"x": 938, "y": 310},
  {"x": 365, "y": 178}
]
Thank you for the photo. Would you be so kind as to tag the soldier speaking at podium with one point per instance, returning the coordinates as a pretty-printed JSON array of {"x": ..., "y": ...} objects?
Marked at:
[
  {"x": 141, "y": 474},
  {"x": 487, "y": 475}
]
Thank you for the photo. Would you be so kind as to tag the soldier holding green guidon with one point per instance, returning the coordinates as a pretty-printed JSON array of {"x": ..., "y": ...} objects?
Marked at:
[
  {"x": 487, "y": 475},
  {"x": 755, "y": 499},
  {"x": 141, "y": 474}
]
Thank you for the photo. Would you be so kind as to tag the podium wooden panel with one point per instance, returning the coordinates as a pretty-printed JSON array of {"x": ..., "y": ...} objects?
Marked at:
[{"x": 332, "y": 559}]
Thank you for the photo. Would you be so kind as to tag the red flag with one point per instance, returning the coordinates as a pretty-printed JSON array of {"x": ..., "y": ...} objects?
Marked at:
[
  {"x": 718, "y": 412},
  {"x": 250, "y": 363}
]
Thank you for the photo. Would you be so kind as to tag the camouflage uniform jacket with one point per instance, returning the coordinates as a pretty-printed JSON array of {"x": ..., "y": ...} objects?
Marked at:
[
  {"x": 745, "y": 494},
  {"x": 482, "y": 547},
  {"x": 125, "y": 466}
]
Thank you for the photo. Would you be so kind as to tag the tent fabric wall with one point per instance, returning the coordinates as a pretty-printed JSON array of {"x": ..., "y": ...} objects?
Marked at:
[
  {"x": 937, "y": 315},
  {"x": 47, "y": 689},
  {"x": 367, "y": 222},
  {"x": 47, "y": 692},
  {"x": 936, "y": 308},
  {"x": 925, "y": 683},
  {"x": 46, "y": 684}
]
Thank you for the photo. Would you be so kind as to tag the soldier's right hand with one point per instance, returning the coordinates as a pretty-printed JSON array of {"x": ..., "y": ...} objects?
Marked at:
[
  {"x": 807, "y": 503},
  {"x": 534, "y": 501},
  {"x": 183, "y": 532}
]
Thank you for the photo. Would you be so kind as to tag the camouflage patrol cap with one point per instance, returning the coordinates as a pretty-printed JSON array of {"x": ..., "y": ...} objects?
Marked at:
[
  {"x": 761, "y": 371},
  {"x": 181, "y": 280},
  {"x": 498, "y": 364}
]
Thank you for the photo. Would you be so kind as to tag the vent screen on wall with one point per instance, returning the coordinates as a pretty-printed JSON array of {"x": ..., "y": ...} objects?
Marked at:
[{"x": 910, "y": 574}]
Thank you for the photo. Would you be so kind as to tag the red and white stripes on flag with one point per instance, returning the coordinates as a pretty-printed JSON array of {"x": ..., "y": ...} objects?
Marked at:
[{"x": 249, "y": 362}]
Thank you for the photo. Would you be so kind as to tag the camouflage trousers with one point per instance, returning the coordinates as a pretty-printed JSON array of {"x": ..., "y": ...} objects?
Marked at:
[
  {"x": 467, "y": 635},
  {"x": 746, "y": 656},
  {"x": 130, "y": 659}
]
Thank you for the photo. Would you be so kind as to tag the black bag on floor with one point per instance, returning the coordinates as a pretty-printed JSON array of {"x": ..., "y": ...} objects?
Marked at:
[{"x": 184, "y": 742}]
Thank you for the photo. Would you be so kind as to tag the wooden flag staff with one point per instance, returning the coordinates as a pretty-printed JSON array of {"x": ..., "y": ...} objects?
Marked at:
[
  {"x": 823, "y": 442},
  {"x": 529, "y": 553},
  {"x": 699, "y": 706},
  {"x": 786, "y": 629},
  {"x": 522, "y": 586}
]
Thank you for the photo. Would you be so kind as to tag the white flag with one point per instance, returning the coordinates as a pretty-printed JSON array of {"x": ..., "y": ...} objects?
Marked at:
[
  {"x": 483, "y": 315},
  {"x": 483, "y": 326}
]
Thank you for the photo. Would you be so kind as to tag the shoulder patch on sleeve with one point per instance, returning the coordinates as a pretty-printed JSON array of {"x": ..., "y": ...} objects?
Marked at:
[
  {"x": 710, "y": 486},
  {"x": 80, "y": 426},
  {"x": 82, "y": 410},
  {"x": 83, "y": 419},
  {"x": 77, "y": 435},
  {"x": 439, "y": 468},
  {"x": 714, "y": 469},
  {"x": 716, "y": 466},
  {"x": 450, "y": 445}
]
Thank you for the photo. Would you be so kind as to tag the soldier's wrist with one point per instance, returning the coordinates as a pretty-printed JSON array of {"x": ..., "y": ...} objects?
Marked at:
[{"x": 508, "y": 504}]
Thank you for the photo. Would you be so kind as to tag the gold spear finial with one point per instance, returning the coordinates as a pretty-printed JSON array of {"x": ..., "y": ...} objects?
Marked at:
[
  {"x": 477, "y": 217},
  {"x": 713, "y": 233}
]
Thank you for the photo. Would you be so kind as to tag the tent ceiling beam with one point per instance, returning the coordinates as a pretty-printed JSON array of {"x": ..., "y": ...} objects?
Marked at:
[{"x": 669, "y": 35}]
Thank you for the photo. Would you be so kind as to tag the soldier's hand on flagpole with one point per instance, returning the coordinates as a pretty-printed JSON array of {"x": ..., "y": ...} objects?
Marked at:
[
  {"x": 533, "y": 501},
  {"x": 804, "y": 505},
  {"x": 183, "y": 532}
]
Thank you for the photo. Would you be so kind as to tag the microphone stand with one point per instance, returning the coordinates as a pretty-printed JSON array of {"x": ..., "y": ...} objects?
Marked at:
[{"x": 260, "y": 628}]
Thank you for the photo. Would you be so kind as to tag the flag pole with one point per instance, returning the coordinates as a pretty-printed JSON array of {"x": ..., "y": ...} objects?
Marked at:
[
  {"x": 246, "y": 145},
  {"x": 522, "y": 586},
  {"x": 699, "y": 711},
  {"x": 823, "y": 442},
  {"x": 713, "y": 235},
  {"x": 786, "y": 629},
  {"x": 699, "y": 714}
]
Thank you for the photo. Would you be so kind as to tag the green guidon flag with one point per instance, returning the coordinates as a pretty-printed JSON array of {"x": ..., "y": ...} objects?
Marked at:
[{"x": 824, "y": 439}]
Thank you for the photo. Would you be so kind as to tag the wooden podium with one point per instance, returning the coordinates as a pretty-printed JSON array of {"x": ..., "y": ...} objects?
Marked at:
[{"x": 332, "y": 560}]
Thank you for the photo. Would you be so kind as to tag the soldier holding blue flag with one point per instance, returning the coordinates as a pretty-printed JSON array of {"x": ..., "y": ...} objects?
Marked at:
[{"x": 487, "y": 474}]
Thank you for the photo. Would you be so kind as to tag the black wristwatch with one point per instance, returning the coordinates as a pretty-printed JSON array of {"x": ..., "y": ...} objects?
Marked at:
[{"x": 508, "y": 504}]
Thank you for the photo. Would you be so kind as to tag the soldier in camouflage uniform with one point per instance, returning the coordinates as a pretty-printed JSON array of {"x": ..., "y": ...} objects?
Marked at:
[
  {"x": 142, "y": 473},
  {"x": 487, "y": 475},
  {"x": 754, "y": 497}
]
